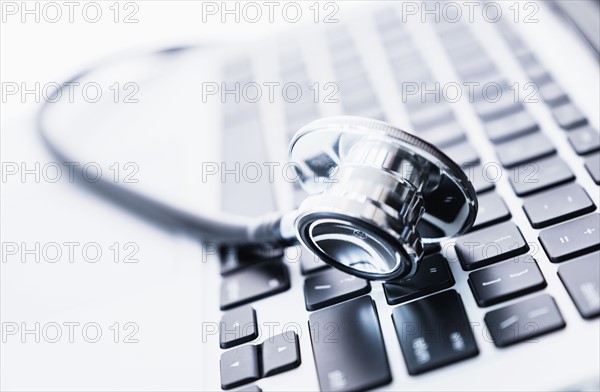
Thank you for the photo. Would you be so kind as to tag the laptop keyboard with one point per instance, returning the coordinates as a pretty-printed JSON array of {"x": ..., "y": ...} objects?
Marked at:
[{"x": 432, "y": 326}]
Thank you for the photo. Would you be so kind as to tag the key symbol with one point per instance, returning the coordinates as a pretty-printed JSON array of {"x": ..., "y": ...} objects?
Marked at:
[
  {"x": 589, "y": 231},
  {"x": 337, "y": 379},
  {"x": 564, "y": 240},
  {"x": 273, "y": 283}
]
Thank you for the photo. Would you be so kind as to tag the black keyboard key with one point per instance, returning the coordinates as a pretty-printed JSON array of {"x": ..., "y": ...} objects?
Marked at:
[
  {"x": 524, "y": 320},
  {"x": 525, "y": 56},
  {"x": 513, "y": 39},
  {"x": 490, "y": 245},
  {"x": 584, "y": 140},
  {"x": 235, "y": 258},
  {"x": 524, "y": 149},
  {"x": 434, "y": 332},
  {"x": 310, "y": 263},
  {"x": 492, "y": 107},
  {"x": 333, "y": 286},
  {"x": 481, "y": 177},
  {"x": 581, "y": 277},
  {"x": 433, "y": 274},
  {"x": 506, "y": 280},
  {"x": 470, "y": 69},
  {"x": 572, "y": 238},
  {"x": 239, "y": 366},
  {"x": 433, "y": 116},
  {"x": 492, "y": 210},
  {"x": 348, "y": 346},
  {"x": 553, "y": 94},
  {"x": 427, "y": 230},
  {"x": 569, "y": 117},
  {"x": 482, "y": 91},
  {"x": 557, "y": 205},
  {"x": 280, "y": 353},
  {"x": 539, "y": 175},
  {"x": 250, "y": 388},
  {"x": 463, "y": 154},
  {"x": 592, "y": 165},
  {"x": 511, "y": 126},
  {"x": 444, "y": 135},
  {"x": 538, "y": 73},
  {"x": 253, "y": 283},
  {"x": 238, "y": 326}
]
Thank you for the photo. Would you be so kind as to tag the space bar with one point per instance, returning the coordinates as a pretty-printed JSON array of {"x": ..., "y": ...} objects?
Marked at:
[{"x": 348, "y": 346}]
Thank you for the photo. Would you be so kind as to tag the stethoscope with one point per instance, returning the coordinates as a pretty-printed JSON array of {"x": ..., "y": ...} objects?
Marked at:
[{"x": 377, "y": 196}]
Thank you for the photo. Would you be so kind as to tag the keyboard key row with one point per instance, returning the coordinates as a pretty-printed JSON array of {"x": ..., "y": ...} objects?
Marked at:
[{"x": 249, "y": 363}]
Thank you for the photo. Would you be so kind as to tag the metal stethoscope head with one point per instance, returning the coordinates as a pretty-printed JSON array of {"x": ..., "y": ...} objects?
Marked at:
[{"x": 377, "y": 195}]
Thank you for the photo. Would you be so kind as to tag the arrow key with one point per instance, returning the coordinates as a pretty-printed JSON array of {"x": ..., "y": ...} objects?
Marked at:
[
  {"x": 239, "y": 366},
  {"x": 238, "y": 326},
  {"x": 280, "y": 353}
]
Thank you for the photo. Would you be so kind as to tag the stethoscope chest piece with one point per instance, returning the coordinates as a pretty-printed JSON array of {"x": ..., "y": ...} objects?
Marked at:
[{"x": 377, "y": 195}]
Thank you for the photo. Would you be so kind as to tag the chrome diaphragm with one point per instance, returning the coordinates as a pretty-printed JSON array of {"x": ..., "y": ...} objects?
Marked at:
[{"x": 377, "y": 195}]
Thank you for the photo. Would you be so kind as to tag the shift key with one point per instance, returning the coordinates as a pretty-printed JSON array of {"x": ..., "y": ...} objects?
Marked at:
[{"x": 348, "y": 346}]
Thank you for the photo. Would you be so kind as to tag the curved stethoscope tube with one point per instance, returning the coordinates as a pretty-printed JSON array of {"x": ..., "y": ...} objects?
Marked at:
[{"x": 220, "y": 228}]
